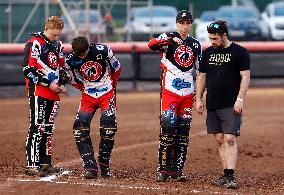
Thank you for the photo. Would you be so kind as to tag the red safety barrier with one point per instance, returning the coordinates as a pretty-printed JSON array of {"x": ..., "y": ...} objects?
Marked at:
[
  {"x": 140, "y": 47},
  {"x": 18, "y": 48},
  {"x": 115, "y": 46},
  {"x": 11, "y": 48}
]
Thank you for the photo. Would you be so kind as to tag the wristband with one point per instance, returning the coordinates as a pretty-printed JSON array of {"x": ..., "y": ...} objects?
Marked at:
[{"x": 240, "y": 99}]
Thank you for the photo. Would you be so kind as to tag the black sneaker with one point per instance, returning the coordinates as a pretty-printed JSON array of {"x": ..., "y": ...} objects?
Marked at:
[
  {"x": 35, "y": 171},
  {"x": 90, "y": 174},
  {"x": 179, "y": 176},
  {"x": 105, "y": 171},
  {"x": 50, "y": 169},
  {"x": 221, "y": 181},
  {"x": 162, "y": 177},
  {"x": 231, "y": 183}
]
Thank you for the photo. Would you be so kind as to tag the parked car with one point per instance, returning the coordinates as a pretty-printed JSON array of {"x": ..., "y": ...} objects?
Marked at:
[
  {"x": 95, "y": 27},
  {"x": 273, "y": 15},
  {"x": 244, "y": 23},
  {"x": 205, "y": 19},
  {"x": 152, "y": 19}
]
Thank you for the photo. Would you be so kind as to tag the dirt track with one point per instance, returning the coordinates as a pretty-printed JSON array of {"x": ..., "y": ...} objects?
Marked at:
[{"x": 260, "y": 168}]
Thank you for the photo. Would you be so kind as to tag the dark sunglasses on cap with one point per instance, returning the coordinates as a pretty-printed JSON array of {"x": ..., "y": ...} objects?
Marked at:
[
  {"x": 213, "y": 25},
  {"x": 216, "y": 27}
]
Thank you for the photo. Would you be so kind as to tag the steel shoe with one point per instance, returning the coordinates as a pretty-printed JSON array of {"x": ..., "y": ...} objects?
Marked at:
[
  {"x": 179, "y": 176},
  {"x": 35, "y": 171},
  {"x": 50, "y": 169},
  {"x": 105, "y": 171},
  {"x": 90, "y": 174},
  {"x": 162, "y": 177}
]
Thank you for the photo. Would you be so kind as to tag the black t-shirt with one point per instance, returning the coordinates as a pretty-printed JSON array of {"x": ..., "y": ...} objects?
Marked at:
[{"x": 222, "y": 67}]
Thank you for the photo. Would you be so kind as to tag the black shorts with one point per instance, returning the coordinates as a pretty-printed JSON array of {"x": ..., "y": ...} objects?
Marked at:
[{"x": 223, "y": 121}]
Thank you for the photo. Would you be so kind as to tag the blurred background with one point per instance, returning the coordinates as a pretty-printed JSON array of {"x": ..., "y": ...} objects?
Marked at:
[
  {"x": 137, "y": 20},
  {"x": 127, "y": 26}
]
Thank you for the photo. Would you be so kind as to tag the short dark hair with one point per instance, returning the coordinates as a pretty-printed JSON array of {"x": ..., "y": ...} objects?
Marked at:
[
  {"x": 80, "y": 45},
  {"x": 218, "y": 27}
]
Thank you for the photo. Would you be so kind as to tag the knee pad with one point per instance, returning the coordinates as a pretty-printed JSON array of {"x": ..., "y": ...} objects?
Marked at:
[
  {"x": 168, "y": 129},
  {"x": 183, "y": 130},
  {"x": 81, "y": 125},
  {"x": 167, "y": 139},
  {"x": 108, "y": 126},
  {"x": 82, "y": 121},
  {"x": 108, "y": 121},
  {"x": 107, "y": 132},
  {"x": 182, "y": 140},
  {"x": 81, "y": 135},
  {"x": 168, "y": 122},
  {"x": 184, "y": 126},
  {"x": 81, "y": 129}
]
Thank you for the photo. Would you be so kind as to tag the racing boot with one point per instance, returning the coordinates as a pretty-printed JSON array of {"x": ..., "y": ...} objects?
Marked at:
[
  {"x": 105, "y": 171},
  {"x": 90, "y": 173},
  {"x": 179, "y": 176},
  {"x": 35, "y": 171},
  {"x": 105, "y": 150},
  {"x": 165, "y": 157},
  {"x": 49, "y": 169},
  {"x": 180, "y": 153},
  {"x": 162, "y": 177}
]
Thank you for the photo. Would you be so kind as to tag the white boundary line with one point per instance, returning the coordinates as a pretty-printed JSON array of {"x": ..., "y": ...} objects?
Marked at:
[
  {"x": 129, "y": 187},
  {"x": 108, "y": 185},
  {"x": 54, "y": 178}
]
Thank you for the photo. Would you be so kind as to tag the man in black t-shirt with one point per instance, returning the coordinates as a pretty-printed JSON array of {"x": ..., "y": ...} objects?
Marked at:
[{"x": 225, "y": 71}]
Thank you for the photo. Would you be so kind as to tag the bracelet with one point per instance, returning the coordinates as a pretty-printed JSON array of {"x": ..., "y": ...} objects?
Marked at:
[{"x": 240, "y": 99}]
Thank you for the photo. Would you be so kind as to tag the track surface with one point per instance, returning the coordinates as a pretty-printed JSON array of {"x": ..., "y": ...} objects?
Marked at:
[{"x": 260, "y": 168}]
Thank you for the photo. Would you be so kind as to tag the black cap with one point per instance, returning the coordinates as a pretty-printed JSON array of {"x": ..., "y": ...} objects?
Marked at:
[{"x": 184, "y": 15}]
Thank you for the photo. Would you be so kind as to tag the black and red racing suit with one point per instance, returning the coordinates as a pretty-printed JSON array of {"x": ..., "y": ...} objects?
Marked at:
[
  {"x": 177, "y": 92},
  {"x": 96, "y": 75},
  {"x": 42, "y": 62}
]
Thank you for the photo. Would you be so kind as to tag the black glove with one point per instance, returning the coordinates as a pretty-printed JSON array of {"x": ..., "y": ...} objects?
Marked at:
[{"x": 64, "y": 76}]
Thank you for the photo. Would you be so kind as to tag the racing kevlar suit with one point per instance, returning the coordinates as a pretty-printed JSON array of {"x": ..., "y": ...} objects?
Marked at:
[
  {"x": 96, "y": 75},
  {"x": 42, "y": 62},
  {"x": 177, "y": 92}
]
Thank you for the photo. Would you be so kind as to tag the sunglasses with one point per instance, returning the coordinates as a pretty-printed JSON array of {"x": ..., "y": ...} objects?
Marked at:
[{"x": 213, "y": 25}]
